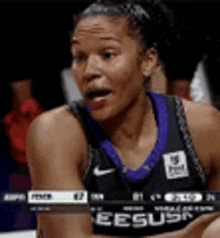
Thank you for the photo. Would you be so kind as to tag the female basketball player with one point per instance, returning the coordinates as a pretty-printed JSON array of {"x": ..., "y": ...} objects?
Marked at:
[{"x": 120, "y": 138}]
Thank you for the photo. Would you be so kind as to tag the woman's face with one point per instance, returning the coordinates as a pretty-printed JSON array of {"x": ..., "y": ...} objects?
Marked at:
[{"x": 106, "y": 66}]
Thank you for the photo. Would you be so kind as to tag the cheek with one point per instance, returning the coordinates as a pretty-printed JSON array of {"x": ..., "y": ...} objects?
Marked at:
[
  {"x": 123, "y": 67},
  {"x": 127, "y": 73},
  {"x": 76, "y": 77},
  {"x": 76, "y": 72}
]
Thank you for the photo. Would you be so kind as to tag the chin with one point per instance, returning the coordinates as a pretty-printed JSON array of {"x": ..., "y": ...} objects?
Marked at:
[
  {"x": 99, "y": 115},
  {"x": 103, "y": 115}
]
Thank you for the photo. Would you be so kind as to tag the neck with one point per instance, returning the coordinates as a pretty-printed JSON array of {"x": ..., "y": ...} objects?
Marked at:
[{"x": 127, "y": 128}]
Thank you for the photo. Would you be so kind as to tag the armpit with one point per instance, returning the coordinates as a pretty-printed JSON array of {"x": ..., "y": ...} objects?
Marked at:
[{"x": 40, "y": 233}]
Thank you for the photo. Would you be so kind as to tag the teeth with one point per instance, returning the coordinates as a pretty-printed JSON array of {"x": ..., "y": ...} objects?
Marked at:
[
  {"x": 98, "y": 99},
  {"x": 97, "y": 93}
]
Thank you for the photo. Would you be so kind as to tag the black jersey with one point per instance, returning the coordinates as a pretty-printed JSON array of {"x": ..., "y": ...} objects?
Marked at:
[{"x": 173, "y": 164}]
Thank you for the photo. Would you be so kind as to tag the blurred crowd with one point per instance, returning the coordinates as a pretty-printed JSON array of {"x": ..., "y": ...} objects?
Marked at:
[{"x": 36, "y": 77}]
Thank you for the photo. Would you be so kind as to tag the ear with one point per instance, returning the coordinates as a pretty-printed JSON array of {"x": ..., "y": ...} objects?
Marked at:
[{"x": 150, "y": 62}]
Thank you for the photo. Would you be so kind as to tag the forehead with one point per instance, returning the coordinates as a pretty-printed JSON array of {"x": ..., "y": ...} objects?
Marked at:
[{"x": 96, "y": 25}]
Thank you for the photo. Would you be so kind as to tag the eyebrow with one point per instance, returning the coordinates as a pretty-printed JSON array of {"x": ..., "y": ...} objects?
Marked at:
[
  {"x": 74, "y": 40},
  {"x": 109, "y": 38}
]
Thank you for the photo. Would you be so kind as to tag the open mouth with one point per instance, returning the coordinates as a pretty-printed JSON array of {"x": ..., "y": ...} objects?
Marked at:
[
  {"x": 97, "y": 98},
  {"x": 97, "y": 93}
]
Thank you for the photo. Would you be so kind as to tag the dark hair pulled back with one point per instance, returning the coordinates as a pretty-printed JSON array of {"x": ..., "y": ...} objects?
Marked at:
[{"x": 151, "y": 21}]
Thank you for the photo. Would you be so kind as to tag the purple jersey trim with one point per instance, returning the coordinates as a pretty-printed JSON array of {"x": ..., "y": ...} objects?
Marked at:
[{"x": 142, "y": 172}]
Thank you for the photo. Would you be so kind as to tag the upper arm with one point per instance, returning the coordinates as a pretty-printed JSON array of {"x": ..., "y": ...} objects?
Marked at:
[
  {"x": 214, "y": 183},
  {"x": 204, "y": 125},
  {"x": 56, "y": 145}
]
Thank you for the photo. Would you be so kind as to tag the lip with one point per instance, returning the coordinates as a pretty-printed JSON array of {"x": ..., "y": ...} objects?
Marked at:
[
  {"x": 98, "y": 102},
  {"x": 96, "y": 105},
  {"x": 94, "y": 100}
]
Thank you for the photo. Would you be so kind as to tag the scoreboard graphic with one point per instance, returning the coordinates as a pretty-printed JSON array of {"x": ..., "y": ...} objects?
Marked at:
[
  {"x": 124, "y": 214},
  {"x": 44, "y": 201}
]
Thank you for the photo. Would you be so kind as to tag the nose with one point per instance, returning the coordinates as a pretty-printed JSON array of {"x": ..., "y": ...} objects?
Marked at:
[{"x": 91, "y": 70}]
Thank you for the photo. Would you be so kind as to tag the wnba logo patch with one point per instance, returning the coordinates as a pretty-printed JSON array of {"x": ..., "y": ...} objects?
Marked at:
[{"x": 175, "y": 165}]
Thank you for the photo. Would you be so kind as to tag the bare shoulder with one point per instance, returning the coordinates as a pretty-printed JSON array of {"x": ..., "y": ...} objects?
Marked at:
[
  {"x": 203, "y": 119},
  {"x": 55, "y": 142},
  {"x": 51, "y": 122},
  {"x": 57, "y": 126},
  {"x": 202, "y": 113},
  {"x": 213, "y": 230},
  {"x": 204, "y": 125}
]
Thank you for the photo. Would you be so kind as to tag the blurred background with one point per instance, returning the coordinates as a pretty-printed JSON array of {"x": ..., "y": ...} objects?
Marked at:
[{"x": 35, "y": 74}]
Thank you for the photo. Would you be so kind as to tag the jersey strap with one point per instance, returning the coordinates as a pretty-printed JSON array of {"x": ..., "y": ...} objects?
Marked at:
[{"x": 188, "y": 139}]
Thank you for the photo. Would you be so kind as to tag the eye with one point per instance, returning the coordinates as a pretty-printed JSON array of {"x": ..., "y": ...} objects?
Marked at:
[
  {"x": 108, "y": 55},
  {"x": 78, "y": 58}
]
